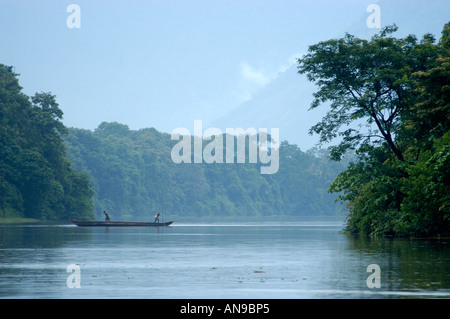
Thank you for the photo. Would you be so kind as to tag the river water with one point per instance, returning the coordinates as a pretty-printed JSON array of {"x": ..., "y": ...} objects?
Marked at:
[{"x": 243, "y": 260}]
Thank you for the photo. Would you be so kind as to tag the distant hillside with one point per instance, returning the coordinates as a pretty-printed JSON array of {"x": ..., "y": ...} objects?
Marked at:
[{"x": 134, "y": 176}]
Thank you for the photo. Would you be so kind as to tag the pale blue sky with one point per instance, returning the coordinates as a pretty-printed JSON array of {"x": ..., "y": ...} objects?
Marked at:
[{"x": 165, "y": 63}]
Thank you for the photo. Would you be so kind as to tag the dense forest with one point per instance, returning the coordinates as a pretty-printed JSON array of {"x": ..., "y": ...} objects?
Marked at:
[
  {"x": 36, "y": 179},
  {"x": 50, "y": 172},
  {"x": 390, "y": 102},
  {"x": 134, "y": 176},
  {"x": 389, "y": 107}
]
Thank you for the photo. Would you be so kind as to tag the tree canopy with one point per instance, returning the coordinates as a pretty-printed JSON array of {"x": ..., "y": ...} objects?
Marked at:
[
  {"x": 389, "y": 102},
  {"x": 36, "y": 178},
  {"x": 131, "y": 173},
  {"x": 134, "y": 176}
]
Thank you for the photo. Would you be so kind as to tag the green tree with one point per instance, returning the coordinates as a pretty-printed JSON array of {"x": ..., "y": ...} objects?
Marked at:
[
  {"x": 399, "y": 184},
  {"x": 429, "y": 117},
  {"x": 370, "y": 81},
  {"x": 36, "y": 179},
  {"x": 426, "y": 206},
  {"x": 134, "y": 176}
]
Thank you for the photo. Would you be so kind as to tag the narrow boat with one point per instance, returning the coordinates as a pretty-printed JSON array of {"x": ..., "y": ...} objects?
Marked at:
[{"x": 85, "y": 223}]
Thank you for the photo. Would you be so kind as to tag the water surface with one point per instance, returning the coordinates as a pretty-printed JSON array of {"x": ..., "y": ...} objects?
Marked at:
[{"x": 250, "y": 260}]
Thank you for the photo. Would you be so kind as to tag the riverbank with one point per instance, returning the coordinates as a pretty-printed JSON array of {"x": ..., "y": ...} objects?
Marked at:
[{"x": 18, "y": 220}]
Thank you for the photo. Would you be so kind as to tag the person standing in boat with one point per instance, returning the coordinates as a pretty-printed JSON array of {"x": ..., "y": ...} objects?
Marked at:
[
  {"x": 106, "y": 216},
  {"x": 157, "y": 217}
]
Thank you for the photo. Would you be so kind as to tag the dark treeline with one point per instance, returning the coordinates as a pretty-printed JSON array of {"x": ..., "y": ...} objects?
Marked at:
[
  {"x": 36, "y": 179},
  {"x": 134, "y": 176}
]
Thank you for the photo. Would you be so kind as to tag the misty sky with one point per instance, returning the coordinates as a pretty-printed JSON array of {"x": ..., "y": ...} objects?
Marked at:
[{"x": 165, "y": 63}]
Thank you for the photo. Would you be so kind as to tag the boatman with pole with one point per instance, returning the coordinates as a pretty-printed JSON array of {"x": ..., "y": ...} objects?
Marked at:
[
  {"x": 157, "y": 217},
  {"x": 106, "y": 216}
]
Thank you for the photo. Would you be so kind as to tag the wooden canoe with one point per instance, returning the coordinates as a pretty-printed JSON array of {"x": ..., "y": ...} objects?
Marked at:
[{"x": 84, "y": 223}]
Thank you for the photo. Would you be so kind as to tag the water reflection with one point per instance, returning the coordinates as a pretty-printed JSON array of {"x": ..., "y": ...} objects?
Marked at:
[
  {"x": 408, "y": 264},
  {"x": 304, "y": 260},
  {"x": 38, "y": 236}
]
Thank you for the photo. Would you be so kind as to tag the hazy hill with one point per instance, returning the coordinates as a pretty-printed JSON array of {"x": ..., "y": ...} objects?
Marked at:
[
  {"x": 281, "y": 104},
  {"x": 134, "y": 177}
]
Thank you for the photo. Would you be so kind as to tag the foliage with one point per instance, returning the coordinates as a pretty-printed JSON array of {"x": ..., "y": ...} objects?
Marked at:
[
  {"x": 427, "y": 201},
  {"x": 36, "y": 179},
  {"x": 134, "y": 176},
  {"x": 131, "y": 174},
  {"x": 400, "y": 90}
]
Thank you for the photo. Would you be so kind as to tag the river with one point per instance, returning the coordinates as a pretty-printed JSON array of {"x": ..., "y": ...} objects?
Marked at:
[{"x": 268, "y": 260}]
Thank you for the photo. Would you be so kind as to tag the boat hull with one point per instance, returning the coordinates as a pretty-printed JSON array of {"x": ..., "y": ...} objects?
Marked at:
[{"x": 83, "y": 223}]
